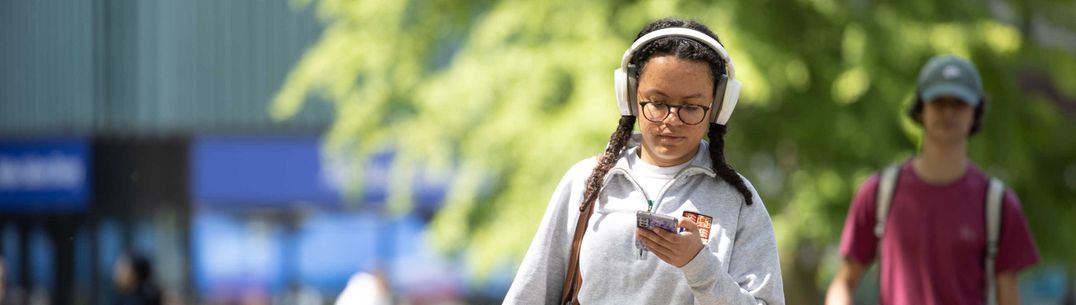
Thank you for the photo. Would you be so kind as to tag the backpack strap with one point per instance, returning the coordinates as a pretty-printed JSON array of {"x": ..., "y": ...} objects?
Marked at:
[
  {"x": 887, "y": 186},
  {"x": 883, "y": 199},
  {"x": 994, "y": 195}
]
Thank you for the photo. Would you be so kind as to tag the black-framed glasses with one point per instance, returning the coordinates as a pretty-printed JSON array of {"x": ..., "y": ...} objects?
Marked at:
[{"x": 688, "y": 113}]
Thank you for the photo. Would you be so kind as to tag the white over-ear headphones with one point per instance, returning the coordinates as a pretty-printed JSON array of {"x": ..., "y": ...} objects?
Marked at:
[{"x": 728, "y": 88}]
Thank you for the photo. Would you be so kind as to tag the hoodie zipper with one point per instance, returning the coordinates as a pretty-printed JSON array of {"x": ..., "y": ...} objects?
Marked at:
[
  {"x": 661, "y": 194},
  {"x": 652, "y": 204},
  {"x": 679, "y": 175}
]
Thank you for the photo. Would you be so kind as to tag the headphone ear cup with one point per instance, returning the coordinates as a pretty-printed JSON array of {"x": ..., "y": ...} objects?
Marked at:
[
  {"x": 623, "y": 86},
  {"x": 719, "y": 96},
  {"x": 731, "y": 93}
]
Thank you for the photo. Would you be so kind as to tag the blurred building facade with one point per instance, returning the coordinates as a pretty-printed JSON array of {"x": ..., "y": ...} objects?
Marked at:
[
  {"x": 143, "y": 126},
  {"x": 150, "y": 68}
]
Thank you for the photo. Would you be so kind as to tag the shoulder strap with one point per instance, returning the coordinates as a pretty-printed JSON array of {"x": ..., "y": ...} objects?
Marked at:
[
  {"x": 994, "y": 195},
  {"x": 887, "y": 184},
  {"x": 883, "y": 199},
  {"x": 572, "y": 278}
]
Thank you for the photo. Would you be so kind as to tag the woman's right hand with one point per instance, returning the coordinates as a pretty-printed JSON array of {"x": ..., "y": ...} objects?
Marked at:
[{"x": 677, "y": 249}]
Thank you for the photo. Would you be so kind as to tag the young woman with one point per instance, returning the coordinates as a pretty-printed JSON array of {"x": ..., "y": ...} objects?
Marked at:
[{"x": 679, "y": 78}]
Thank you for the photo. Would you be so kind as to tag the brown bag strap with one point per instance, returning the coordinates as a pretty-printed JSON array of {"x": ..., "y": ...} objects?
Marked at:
[{"x": 572, "y": 279}]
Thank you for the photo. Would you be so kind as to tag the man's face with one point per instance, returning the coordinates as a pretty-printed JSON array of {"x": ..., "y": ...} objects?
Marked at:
[{"x": 947, "y": 119}]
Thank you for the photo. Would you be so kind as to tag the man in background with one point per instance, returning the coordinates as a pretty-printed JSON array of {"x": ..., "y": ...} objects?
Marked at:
[{"x": 933, "y": 237}]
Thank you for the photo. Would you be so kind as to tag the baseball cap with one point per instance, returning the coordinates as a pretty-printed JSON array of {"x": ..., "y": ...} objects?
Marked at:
[{"x": 947, "y": 75}]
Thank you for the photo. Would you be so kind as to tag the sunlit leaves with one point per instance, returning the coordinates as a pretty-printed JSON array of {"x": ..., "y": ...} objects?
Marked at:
[{"x": 505, "y": 95}]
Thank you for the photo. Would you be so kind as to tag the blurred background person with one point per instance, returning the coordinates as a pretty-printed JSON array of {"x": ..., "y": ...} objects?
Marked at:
[
  {"x": 927, "y": 220},
  {"x": 134, "y": 283},
  {"x": 366, "y": 288},
  {"x": 9, "y": 295}
]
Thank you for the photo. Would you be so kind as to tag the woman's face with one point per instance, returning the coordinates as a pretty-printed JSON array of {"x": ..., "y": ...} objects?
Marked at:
[{"x": 673, "y": 81}]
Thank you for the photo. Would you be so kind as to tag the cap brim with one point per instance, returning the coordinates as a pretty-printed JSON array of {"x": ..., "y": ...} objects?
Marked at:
[{"x": 958, "y": 91}]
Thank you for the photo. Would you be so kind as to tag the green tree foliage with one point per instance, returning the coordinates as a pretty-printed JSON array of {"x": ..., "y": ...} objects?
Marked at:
[{"x": 506, "y": 95}]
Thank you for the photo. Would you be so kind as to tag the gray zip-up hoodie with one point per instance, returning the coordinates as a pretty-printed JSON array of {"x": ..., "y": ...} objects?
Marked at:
[{"x": 737, "y": 265}]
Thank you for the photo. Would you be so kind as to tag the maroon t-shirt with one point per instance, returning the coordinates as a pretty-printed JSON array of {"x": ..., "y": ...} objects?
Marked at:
[{"x": 935, "y": 238}]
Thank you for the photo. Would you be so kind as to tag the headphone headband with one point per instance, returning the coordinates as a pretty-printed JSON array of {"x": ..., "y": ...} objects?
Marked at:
[
  {"x": 680, "y": 32},
  {"x": 725, "y": 94}
]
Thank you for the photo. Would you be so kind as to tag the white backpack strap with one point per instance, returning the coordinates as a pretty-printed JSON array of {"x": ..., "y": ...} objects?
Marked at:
[
  {"x": 994, "y": 195},
  {"x": 883, "y": 198},
  {"x": 887, "y": 183}
]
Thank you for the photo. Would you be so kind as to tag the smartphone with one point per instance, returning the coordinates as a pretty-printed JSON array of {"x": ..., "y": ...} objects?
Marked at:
[{"x": 647, "y": 220}]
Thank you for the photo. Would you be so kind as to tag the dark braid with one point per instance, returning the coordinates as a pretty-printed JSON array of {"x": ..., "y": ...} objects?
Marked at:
[
  {"x": 723, "y": 169},
  {"x": 617, "y": 142}
]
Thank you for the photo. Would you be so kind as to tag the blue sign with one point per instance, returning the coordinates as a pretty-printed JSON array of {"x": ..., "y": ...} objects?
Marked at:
[
  {"x": 289, "y": 171},
  {"x": 44, "y": 175},
  {"x": 259, "y": 171}
]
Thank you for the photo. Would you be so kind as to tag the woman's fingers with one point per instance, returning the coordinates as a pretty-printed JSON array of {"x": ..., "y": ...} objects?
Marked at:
[
  {"x": 677, "y": 249},
  {"x": 689, "y": 226},
  {"x": 653, "y": 241}
]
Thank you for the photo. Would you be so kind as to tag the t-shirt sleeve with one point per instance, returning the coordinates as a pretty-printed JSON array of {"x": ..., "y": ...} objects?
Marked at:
[
  {"x": 857, "y": 239},
  {"x": 1016, "y": 246}
]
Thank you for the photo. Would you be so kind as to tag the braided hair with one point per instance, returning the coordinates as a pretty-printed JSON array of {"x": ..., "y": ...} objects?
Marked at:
[
  {"x": 617, "y": 142},
  {"x": 683, "y": 48}
]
